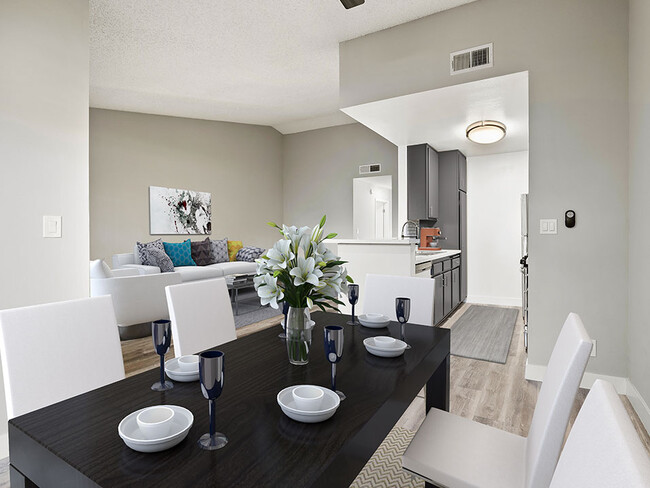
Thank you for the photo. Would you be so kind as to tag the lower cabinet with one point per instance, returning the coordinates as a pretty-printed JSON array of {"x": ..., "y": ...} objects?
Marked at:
[{"x": 447, "y": 288}]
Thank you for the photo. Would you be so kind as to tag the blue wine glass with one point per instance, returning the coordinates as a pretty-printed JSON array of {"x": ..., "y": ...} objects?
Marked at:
[
  {"x": 161, "y": 331},
  {"x": 334, "y": 336},
  {"x": 211, "y": 374},
  {"x": 353, "y": 297},
  {"x": 403, "y": 312}
]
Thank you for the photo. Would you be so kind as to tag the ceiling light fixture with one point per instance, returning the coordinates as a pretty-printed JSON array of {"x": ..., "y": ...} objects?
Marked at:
[{"x": 486, "y": 131}]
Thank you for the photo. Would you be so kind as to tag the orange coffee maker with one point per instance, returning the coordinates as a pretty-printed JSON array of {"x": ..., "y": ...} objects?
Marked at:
[{"x": 429, "y": 239}]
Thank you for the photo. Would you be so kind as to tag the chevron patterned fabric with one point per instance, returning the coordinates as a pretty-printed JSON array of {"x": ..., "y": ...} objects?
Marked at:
[{"x": 384, "y": 470}]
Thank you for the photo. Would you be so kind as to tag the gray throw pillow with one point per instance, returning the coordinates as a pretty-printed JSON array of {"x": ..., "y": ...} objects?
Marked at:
[
  {"x": 158, "y": 258},
  {"x": 142, "y": 246},
  {"x": 220, "y": 250},
  {"x": 202, "y": 252},
  {"x": 249, "y": 253}
]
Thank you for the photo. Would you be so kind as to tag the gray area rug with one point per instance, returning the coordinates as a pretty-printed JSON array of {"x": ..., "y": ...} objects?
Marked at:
[
  {"x": 484, "y": 333},
  {"x": 250, "y": 310}
]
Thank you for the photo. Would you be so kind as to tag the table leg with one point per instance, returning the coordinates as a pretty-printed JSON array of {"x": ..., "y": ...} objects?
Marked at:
[
  {"x": 19, "y": 480},
  {"x": 437, "y": 395}
]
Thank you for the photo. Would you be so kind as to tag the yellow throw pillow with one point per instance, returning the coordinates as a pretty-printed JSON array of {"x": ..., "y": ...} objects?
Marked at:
[{"x": 233, "y": 247}]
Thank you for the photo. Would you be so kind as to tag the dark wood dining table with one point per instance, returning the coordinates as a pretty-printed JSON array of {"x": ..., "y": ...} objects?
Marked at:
[{"x": 75, "y": 443}]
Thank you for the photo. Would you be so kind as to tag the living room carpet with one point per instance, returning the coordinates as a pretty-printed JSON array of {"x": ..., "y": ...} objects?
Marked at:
[
  {"x": 484, "y": 333},
  {"x": 250, "y": 310},
  {"x": 384, "y": 469}
]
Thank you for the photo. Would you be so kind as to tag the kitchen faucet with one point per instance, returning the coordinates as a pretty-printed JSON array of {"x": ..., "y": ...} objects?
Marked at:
[{"x": 417, "y": 229}]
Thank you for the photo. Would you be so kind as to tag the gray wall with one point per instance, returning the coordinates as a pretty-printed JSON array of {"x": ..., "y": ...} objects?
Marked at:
[
  {"x": 239, "y": 164},
  {"x": 576, "y": 54},
  {"x": 639, "y": 328},
  {"x": 44, "y": 154},
  {"x": 319, "y": 166}
]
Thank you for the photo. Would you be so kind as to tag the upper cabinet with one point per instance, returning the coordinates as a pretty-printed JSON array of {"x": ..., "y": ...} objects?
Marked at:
[{"x": 422, "y": 181}]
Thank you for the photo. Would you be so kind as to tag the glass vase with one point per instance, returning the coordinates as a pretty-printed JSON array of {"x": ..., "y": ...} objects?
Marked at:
[{"x": 298, "y": 330}]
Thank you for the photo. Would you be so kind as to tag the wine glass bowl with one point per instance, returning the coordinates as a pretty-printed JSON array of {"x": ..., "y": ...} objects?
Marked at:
[
  {"x": 353, "y": 298},
  {"x": 334, "y": 338},
  {"x": 403, "y": 312},
  {"x": 211, "y": 376},
  {"x": 161, "y": 332}
]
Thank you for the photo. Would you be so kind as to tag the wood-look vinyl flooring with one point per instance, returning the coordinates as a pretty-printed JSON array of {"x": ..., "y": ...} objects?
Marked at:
[{"x": 490, "y": 393}]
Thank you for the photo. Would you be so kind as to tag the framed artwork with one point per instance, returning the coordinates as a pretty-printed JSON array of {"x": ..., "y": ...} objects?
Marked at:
[{"x": 173, "y": 211}]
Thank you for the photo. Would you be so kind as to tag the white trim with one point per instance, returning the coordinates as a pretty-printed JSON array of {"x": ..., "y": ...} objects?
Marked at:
[
  {"x": 639, "y": 404},
  {"x": 503, "y": 301},
  {"x": 535, "y": 372}
]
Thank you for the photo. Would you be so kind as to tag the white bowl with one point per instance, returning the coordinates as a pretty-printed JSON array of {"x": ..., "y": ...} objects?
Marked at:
[
  {"x": 331, "y": 402},
  {"x": 384, "y": 352},
  {"x": 189, "y": 363},
  {"x": 385, "y": 342},
  {"x": 307, "y": 397},
  {"x": 132, "y": 436},
  {"x": 155, "y": 422},
  {"x": 175, "y": 372},
  {"x": 376, "y": 321}
]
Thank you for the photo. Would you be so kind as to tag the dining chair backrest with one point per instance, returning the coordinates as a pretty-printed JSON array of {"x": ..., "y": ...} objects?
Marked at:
[
  {"x": 603, "y": 449},
  {"x": 58, "y": 350},
  {"x": 201, "y": 315},
  {"x": 555, "y": 400},
  {"x": 381, "y": 291}
]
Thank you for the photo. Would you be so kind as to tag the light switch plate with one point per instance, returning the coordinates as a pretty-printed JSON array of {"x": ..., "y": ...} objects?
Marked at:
[
  {"x": 548, "y": 226},
  {"x": 51, "y": 226}
]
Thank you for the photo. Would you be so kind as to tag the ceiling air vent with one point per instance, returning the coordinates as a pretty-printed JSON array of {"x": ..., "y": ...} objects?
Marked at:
[
  {"x": 471, "y": 59},
  {"x": 365, "y": 169}
]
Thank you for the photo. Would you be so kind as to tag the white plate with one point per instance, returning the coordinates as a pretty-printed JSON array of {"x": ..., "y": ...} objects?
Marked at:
[
  {"x": 384, "y": 352},
  {"x": 374, "y": 323},
  {"x": 132, "y": 436},
  {"x": 331, "y": 402},
  {"x": 177, "y": 374}
]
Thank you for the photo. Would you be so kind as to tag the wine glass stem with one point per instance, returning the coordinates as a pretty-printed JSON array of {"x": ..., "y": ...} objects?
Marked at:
[
  {"x": 333, "y": 376},
  {"x": 353, "y": 313},
  {"x": 402, "y": 332},
  {"x": 212, "y": 418},
  {"x": 162, "y": 369}
]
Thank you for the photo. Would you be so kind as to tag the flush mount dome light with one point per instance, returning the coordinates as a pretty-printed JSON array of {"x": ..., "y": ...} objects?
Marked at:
[{"x": 486, "y": 131}]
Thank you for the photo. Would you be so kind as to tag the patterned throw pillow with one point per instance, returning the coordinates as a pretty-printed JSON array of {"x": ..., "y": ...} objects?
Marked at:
[
  {"x": 180, "y": 253},
  {"x": 202, "y": 252},
  {"x": 249, "y": 253},
  {"x": 233, "y": 247},
  {"x": 159, "y": 258},
  {"x": 148, "y": 245},
  {"x": 220, "y": 250}
]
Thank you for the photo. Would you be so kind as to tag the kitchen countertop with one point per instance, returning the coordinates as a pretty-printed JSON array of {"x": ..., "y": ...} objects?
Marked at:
[
  {"x": 424, "y": 256},
  {"x": 365, "y": 242}
]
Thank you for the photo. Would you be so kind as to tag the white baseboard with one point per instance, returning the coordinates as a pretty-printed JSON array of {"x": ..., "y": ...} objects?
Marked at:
[
  {"x": 4, "y": 445},
  {"x": 535, "y": 372},
  {"x": 640, "y": 406},
  {"x": 503, "y": 301}
]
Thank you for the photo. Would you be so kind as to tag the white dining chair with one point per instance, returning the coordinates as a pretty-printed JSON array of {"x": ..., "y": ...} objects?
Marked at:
[
  {"x": 201, "y": 315},
  {"x": 381, "y": 291},
  {"x": 457, "y": 452},
  {"x": 603, "y": 449},
  {"x": 58, "y": 350}
]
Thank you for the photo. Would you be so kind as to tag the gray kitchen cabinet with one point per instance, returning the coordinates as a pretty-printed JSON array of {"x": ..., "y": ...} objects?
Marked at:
[
  {"x": 438, "y": 300},
  {"x": 422, "y": 182},
  {"x": 446, "y": 297},
  {"x": 455, "y": 287},
  {"x": 452, "y": 218}
]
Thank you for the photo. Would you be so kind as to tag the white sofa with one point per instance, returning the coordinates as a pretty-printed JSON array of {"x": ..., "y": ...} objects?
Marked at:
[
  {"x": 187, "y": 273},
  {"x": 137, "y": 299}
]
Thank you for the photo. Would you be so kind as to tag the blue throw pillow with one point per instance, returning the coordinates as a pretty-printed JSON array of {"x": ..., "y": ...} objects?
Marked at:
[{"x": 180, "y": 253}]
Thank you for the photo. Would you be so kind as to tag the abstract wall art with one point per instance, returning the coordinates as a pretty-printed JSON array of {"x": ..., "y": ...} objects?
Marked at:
[{"x": 173, "y": 211}]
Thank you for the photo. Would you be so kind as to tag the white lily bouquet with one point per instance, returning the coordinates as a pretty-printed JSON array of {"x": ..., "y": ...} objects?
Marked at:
[{"x": 301, "y": 271}]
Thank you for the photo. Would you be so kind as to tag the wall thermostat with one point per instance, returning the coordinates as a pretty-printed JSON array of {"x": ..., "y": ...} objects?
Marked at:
[{"x": 570, "y": 218}]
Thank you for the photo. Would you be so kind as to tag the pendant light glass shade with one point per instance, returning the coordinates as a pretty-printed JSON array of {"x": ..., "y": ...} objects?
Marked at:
[{"x": 486, "y": 131}]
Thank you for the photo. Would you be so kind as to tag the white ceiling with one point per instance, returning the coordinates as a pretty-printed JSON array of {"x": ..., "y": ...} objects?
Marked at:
[
  {"x": 269, "y": 62},
  {"x": 441, "y": 116}
]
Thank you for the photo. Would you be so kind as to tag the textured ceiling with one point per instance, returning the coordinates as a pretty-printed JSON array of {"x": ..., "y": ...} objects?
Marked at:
[{"x": 269, "y": 62}]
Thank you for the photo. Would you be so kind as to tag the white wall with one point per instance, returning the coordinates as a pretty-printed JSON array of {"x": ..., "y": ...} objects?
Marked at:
[
  {"x": 494, "y": 186},
  {"x": 577, "y": 58},
  {"x": 44, "y": 154},
  {"x": 366, "y": 192},
  {"x": 639, "y": 217}
]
